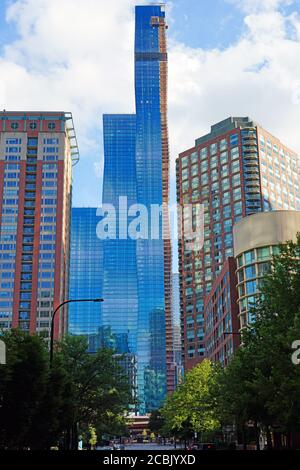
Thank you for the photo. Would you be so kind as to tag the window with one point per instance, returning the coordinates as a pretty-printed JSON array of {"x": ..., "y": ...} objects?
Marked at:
[
  {"x": 250, "y": 271},
  {"x": 51, "y": 125},
  {"x": 50, "y": 158},
  {"x": 185, "y": 161},
  {"x": 238, "y": 209},
  {"x": 25, "y": 305},
  {"x": 203, "y": 153},
  {"x": 12, "y": 158},
  {"x": 51, "y": 141},
  {"x": 227, "y": 225},
  {"x": 234, "y": 140},
  {"x": 51, "y": 149},
  {"x": 236, "y": 180},
  {"x": 32, "y": 141},
  {"x": 13, "y": 141},
  {"x": 226, "y": 212},
  {"x": 204, "y": 179},
  {"x": 249, "y": 257},
  {"x": 242, "y": 290},
  {"x": 25, "y": 295},
  {"x": 263, "y": 268},
  {"x": 226, "y": 198},
  {"x": 225, "y": 184},
  {"x": 251, "y": 287},
  {"x": 224, "y": 157},
  {"x": 241, "y": 275},
  {"x": 33, "y": 125},
  {"x": 194, "y": 158},
  {"x": 214, "y": 162},
  {"x": 49, "y": 166},
  {"x": 223, "y": 144},
  {"x": 213, "y": 149},
  {"x": 24, "y": 315},
  {"x": 237, "y": 194},
  {"x": 228, "y": 240},
  {"x": 235, "y": 166},
  {"x": 45, "y": 294},
  {"x": 14, "y": 125},
  {"x": 234, "y": 153},
  {"x": 263, "y": 253}
]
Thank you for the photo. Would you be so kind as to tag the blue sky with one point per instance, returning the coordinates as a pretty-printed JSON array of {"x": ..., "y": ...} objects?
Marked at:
[
  {"x": 7, "y": 31},
  {"x": 206, "y": 24},
  {"x": 54, "y": 55},
  {"x": 197, "y": 23}
]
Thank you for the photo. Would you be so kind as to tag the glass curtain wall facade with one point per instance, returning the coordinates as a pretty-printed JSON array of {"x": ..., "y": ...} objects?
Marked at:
[
  {"x": 137, "y": 273},
  {"x": 86, "y": 268},
  {"x": 120, "y": 288},
  {"x": 256, "y": 240}
]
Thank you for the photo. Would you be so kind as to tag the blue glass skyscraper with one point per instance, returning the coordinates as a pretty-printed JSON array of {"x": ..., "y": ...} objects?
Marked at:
[
  {"x": 137, "y": 273},
  {"x": 86, "y": 268},
  {"x": 120, "y": 309}
]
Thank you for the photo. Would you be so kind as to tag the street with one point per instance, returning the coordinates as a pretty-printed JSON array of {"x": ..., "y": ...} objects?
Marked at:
[{"x": 147, "y": 447}]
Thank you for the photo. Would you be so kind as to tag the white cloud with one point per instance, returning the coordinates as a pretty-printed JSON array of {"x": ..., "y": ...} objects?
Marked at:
[
  {"x": 257, "y": 76},
  {"x": 257, "y": 6},
  {"x": 77, "y": 55}
]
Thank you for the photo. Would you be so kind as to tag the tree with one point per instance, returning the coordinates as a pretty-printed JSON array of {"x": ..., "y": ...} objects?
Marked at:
[
  {"x": 113, "y": 425},
  {"x": 41, "y": 406},
  {"x": 277, "y": 379},
  {"x": 236, "y": 396},
  {"x": 98, "y": 385},
  {"x": 92, "y": 437},
  {"x": 191, "y": 407},
  {"x": 261, "y": 383},
  {"x": 23, "y": 385},
  {"x": 156, "y": 422}
]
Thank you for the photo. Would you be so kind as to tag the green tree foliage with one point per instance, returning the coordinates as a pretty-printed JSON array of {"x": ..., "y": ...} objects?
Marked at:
[
  {"x": 92, "y": 436},
  {"x": 261, "y": 383},
  {"x": 191, "y": 407},
  {"x": 156, "y": 422},
  {"x": 98, "y": 387},
  {"x": 40, "y": 406},
  {"x": 23, "y": 385}
]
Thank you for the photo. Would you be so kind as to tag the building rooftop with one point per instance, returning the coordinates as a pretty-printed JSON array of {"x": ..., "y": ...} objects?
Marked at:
[
  {"x": 224, "y": 126},
  {"x": 40, "y": 115}
]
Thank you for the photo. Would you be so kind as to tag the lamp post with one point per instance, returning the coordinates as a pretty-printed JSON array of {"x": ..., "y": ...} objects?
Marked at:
[{"x": 53, "y": 318}]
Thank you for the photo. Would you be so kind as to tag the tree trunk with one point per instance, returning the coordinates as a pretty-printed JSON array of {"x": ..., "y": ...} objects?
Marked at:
[
  {"x": 68, "y": 439},
  {"x": 269, "y": 439},
  {"x": 257, "y": 433},
  {"x": 74, "y": 441},
  {"x": 244, "y": 438},
  {"x": 289, "y": 440}
]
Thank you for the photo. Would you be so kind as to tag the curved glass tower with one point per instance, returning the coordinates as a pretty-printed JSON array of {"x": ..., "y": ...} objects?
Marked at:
[{"x": 137, "y": 273}]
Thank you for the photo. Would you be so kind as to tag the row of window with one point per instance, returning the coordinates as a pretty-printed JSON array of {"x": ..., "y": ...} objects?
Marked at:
[
  {"x": 213, "y": 149},
  {"x": 32, "y": 125}
]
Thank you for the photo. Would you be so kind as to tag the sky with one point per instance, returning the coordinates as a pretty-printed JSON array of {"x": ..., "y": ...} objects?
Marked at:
[{"x": 226, "y": 57}]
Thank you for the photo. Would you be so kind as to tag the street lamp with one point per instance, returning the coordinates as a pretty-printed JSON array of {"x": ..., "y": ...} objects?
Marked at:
[{"x": 53, "y": 318}]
